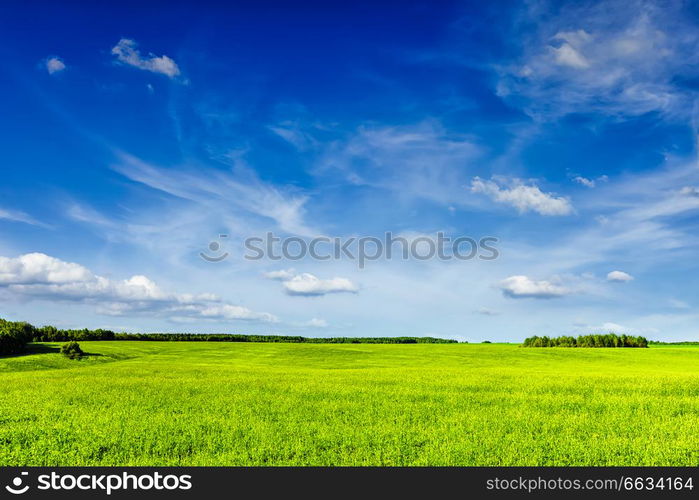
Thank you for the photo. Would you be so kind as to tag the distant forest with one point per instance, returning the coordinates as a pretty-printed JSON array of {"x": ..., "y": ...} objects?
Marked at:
[
  {"x": 15, "y": 335},
  {"x": 684, "y": 342},
  {"x": 605, "y": 340}
]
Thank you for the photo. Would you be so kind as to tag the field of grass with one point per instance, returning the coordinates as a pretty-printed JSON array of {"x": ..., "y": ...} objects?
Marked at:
[{"x": 186, "y": 403}]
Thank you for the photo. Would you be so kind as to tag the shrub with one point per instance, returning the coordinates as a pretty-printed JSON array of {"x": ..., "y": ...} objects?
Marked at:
[{"x": 72, "y": 350}]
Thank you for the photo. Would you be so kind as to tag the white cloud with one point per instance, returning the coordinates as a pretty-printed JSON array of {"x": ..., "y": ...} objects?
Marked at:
[
  {"x": 54, "y": 65},
  {"x": 641, "y": 218},
  {"x": 127, "y": 52},
  {"x": 517, "y": 287},
  {"x": 524, "y": 198},
  {"x": 229, "y": 311},
  {"x": 566, "y": 55},
  {"x": 35, "y": 268},
  {"x": 591, "y": 183},
  {"x": 585, "y": 182},
  {"x": 619, "y": 276},
  {"x": 281, "y": 275},
  {"x": 309, "y": 285},
  {"x": 317, "y": 323},
  {"x": 40, "y": 276},
  {"x": 576, "y": 38},
  {"x": 622, "y": 58}
]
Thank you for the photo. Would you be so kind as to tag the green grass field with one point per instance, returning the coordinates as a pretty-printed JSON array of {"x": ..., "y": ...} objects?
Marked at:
[{"x": 190, "y": 403}]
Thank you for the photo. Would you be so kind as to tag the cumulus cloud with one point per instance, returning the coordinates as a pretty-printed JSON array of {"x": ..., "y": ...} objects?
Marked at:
[
  {"x": 524, "y": 198},
  {"x": 519, "y": 287},
  {"x": 619, "y": 276},
  {"x": 54, "y": 65},
  {"x": 38, "y": 268},
  {"x": 126, "y": 51},
  {"x": 309, "y": 285},
  {"x": 37, "y": 275}
]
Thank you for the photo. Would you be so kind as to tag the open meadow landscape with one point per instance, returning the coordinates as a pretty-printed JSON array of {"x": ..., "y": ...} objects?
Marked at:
[
  {"x": 321, "y": 246},
  {"x": 227, "y": 403}
]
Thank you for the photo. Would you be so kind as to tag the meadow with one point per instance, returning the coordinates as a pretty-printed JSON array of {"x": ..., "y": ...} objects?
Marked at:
[{"x": 201, "y": 403}]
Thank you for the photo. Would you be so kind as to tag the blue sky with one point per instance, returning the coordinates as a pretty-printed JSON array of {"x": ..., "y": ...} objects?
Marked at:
[{"x": 131, "y": 137}]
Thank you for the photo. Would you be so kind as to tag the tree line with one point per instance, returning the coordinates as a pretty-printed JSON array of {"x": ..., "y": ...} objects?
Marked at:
[
  {"x": 234, "y": 337},
  {"x": 681, "y": 342},
  {"x": 604, "y": 340},
  {"x": 15, "y": 335}
]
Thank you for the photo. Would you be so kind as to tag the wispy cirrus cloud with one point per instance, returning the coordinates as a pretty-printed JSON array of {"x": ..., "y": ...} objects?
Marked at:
[
  {"x": 238, "y": 189},
  {"x": 19, "y": 216},
  {"x": 422, "y": 160},
  {"x": 295, "y": 134},
  {"x": 618, "y": 58}
]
